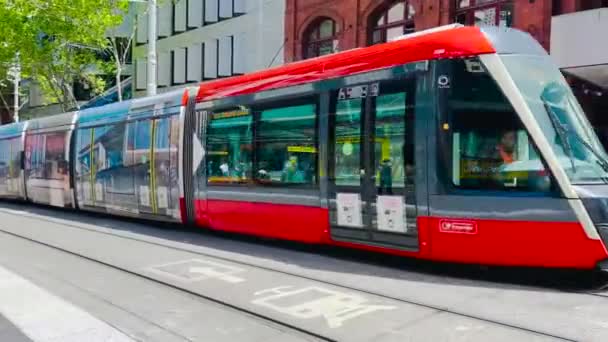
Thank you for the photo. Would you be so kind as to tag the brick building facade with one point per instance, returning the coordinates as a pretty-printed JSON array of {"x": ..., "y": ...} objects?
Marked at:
[{"x": 354, "y": 19}]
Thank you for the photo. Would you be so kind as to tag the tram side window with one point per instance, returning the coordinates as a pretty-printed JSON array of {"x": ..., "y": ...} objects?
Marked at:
[
  {"x": 286, "y": 145},
  {"x": 490, "y": 149},
  {"x": 47, "y": 158},
  {"x": 83, "y": 166},
  {"x": 108, "y": 155},
  {"x": 15, "y": 164},
  {"x": 109, "y": 146},
  {"x": 229, "y": 139},
  {"x": 56, "y": 166},
  {"x": 4, "y": 158},
  {"x": 347, "y": 155},
  {"x": 34, "y": 155},
  {"x": 143, "y": 131}
]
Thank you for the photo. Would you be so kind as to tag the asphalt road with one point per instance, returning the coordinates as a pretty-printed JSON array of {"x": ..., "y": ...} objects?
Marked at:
[{"x": 161, "y": 283}]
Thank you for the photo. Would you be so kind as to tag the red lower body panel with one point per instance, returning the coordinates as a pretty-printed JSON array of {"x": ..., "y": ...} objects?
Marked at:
[
  {"x": 505, "y": 243},
  {"x": 516, "y": 243},
  {"x": 182, "y": 209},
  {"x": 491, "y": 242},
  {"x": 288, "y": 222}
]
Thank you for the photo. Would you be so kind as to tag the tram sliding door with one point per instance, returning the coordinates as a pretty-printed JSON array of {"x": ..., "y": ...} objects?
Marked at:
[
  {"x": 11, "y": 182},
  {"x": 164, "y": 165},
  {"x": 371, "y": 164},
  {"x": 155, "y": 165}
]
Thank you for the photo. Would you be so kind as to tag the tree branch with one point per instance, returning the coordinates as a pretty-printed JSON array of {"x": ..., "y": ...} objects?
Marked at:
[{"x": 8, "y": 108}]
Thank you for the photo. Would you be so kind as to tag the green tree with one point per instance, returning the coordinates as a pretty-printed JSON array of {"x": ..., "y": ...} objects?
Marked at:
[
  {"x": 58, "y": 41},
  {"x": 119, "y": 46},
  {"x": 120, "y": 43}
]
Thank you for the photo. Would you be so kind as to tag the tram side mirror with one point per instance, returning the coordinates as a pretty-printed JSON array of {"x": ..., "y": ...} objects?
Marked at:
[{"x": 22, "y": 160}]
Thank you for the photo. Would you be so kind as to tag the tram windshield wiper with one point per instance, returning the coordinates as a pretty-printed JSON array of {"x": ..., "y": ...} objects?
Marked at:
[{"x": 564, "y": 132}]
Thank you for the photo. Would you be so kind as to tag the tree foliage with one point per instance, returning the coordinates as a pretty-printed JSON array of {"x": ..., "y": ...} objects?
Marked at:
[{"x": 58, "y": 42}]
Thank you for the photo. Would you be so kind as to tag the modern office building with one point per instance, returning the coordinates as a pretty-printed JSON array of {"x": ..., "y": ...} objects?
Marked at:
[
  {"x": 202, "y": 40},
  {"x": 579, "y": 44}
]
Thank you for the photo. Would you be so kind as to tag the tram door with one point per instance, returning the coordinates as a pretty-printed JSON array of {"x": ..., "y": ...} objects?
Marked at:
[
  {"x": 156, "y": 162},
  {"x": 371, "y": 164}
]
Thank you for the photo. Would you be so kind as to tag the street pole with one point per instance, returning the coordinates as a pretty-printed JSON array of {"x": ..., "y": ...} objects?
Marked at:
[
  {"x": 16, "y": 80},
  {"x": 151, "y": 87},
  {"x": 16, "y": 95}
]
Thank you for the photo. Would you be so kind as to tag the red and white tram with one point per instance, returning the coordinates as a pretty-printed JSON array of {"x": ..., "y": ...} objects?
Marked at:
[{"x": 463, "y": 144}]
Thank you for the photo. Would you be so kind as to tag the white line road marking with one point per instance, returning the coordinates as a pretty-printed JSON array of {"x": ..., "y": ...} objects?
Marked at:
[
  {"x": 194, "y": 270},
  {"x": 44, "y": 317},
  {"x": 211, "y": 273}
]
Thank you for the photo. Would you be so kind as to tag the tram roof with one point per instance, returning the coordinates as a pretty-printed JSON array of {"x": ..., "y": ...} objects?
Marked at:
[
  {"x": 143, "y": 107},
  {"x": 459, "y": 41},
  {"x": 111, "y": 113},
  {"x": 50, "y": 123},
  {"x": 12, "y": 130}
]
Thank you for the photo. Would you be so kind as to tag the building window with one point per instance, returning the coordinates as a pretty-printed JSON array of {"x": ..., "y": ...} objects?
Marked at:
[
  {"x": 556, "y": 7},
  {"x": 592, "y": 4},
  {"x": 484, "y": 12},
  {"x": 320, "y": 37},
  {"x": 392, "y": 21},
  {"x": 141, "y": 76}
]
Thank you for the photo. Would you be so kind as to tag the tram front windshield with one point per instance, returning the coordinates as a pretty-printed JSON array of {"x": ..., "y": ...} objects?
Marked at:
[{"x": 560, "y": 117}]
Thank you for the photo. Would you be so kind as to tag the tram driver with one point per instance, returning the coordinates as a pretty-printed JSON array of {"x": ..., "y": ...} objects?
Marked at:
[{"x": 505, "y": 150}]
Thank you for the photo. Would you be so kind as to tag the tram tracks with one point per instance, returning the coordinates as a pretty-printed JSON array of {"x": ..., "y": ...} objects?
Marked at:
[
  {"x": 111, "y": 232},
  {"x": 601, "y": 290},
  {"x": 251, "y": 313}
]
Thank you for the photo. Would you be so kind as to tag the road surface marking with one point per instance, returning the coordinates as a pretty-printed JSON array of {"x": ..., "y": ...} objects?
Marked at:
[
  {"x": 313, "y": 302},
  {"x": 193, "y": 270},
  {"x": 42, "y": 316}
]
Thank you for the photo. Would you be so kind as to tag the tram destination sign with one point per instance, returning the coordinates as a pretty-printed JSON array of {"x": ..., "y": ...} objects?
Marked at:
[
  {"x": 231, "y": 114},
  {"x": 359, "y": 92}
]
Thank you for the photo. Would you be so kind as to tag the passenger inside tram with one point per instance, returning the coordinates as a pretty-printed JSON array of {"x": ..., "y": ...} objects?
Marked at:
[
  {"x": 386, "y": 178},
  {"x": 291, "y": 172}
]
